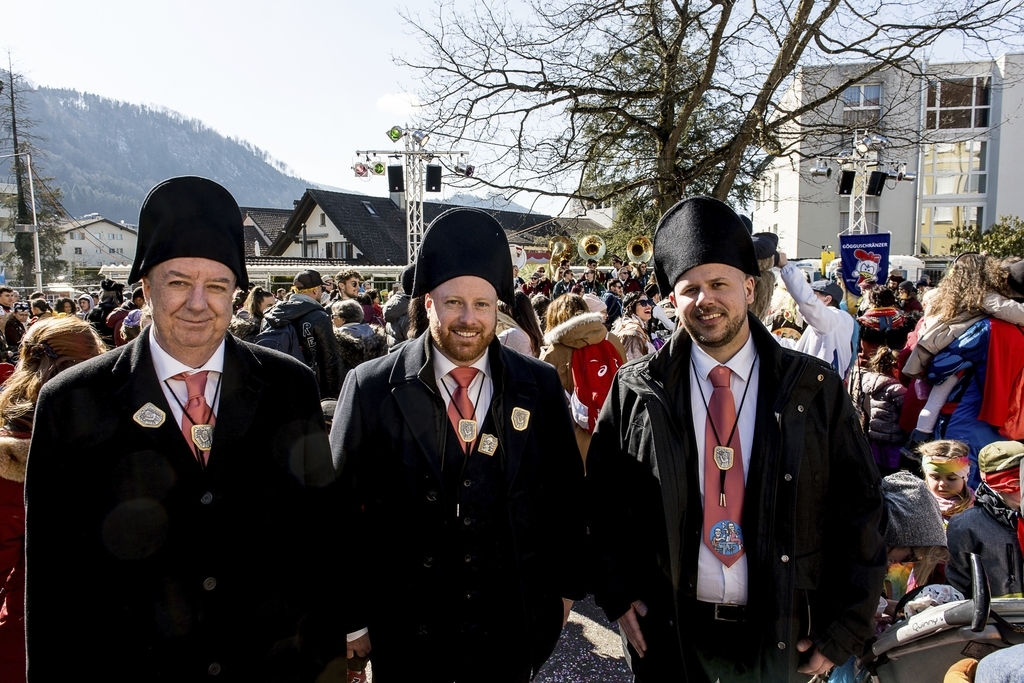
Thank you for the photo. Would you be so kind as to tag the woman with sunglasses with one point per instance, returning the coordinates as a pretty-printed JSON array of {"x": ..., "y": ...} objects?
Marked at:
[{"x": 633, "y": 328}]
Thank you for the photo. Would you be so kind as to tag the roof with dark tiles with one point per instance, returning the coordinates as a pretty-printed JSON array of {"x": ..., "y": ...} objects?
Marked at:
[
  {"x": 376, "y": 226},
  {"x": 269, "y": 225}
]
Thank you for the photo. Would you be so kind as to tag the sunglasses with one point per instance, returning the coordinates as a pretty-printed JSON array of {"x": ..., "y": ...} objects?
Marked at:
[{"x": 645, "y": 302}]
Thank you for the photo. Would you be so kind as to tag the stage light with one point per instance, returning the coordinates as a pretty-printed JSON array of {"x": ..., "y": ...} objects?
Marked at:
[
  {"x": 420, "y": 137},
  {"x": 464, "y": 169},
  {"x": 395, "y": 134},
  {"x": 361, "y": 170},
  {"x": 909, "y": 177},
  {"x": 378, "y": 167},
  {"x": 821, "y": 170}
]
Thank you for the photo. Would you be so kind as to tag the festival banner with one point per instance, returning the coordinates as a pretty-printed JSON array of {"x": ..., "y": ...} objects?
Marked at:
[{"x": 863, "y": 256}]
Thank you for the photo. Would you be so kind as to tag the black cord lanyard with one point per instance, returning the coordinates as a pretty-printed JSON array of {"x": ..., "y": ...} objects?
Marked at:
[
  {"x": 177, "y": 400},
  {"x": 714, "y": 429}
]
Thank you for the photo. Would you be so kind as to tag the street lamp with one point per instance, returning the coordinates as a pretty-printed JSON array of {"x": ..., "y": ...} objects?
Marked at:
[{"x": 34, "y": 228}]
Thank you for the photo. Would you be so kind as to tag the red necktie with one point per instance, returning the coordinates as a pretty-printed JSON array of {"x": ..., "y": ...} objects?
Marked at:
[
  {"x": 197, "y": 408},
  {"x": 723, "y": 505},
  {"x": 461, "y": 407}
]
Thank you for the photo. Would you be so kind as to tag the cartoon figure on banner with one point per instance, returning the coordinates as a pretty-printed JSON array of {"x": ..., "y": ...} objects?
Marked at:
[
  {"x": 726, "y": 538},
  {"x": 867, "y": 265}
]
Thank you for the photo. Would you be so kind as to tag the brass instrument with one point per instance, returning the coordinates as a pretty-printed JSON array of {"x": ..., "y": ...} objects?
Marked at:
[
  {"x": 591, "y": 247},
  {"x": 640, "y": 249},
  {"x": 559, "y": 247}
]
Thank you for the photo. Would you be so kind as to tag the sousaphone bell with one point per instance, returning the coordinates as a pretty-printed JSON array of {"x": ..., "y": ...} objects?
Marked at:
[
  {"x": 591, "y": 247},
  {"x": 640, "y": 249}
]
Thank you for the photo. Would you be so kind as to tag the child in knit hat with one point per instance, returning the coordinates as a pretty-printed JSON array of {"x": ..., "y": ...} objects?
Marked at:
[
  {"x": 915, "y": 539},
  {"x": 946, "y": 466},
  {"x": 993, "y": 527}
]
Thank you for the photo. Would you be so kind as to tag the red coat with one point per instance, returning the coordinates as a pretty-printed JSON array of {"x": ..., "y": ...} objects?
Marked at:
[{"x": 13, "y": 453}]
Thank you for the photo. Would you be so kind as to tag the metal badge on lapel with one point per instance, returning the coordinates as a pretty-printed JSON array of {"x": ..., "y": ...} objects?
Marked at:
[
  {"x": 723, "y": 457},
  {"x": 149, "y": 416},
  {"x": 520, "y": 419},
  {"x": 488, "y": 444},
  {"x": 467, "y": 430},
  {"x": 202, "y": 436}
]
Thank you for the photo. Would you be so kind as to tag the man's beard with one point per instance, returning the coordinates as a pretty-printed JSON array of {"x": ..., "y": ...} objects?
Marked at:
[
  {"x": 457, "y": 348},
  {"x": 732, "y": 329}
]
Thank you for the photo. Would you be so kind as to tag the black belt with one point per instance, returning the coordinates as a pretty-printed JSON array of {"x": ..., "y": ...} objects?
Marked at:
[{"x": 719, "y": 612}]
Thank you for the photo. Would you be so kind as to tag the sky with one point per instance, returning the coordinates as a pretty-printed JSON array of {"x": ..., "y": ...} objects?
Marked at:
[{"x": 309, "y": 81}]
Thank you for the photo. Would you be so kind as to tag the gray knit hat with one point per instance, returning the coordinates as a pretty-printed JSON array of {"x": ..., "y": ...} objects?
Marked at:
[{"x": 914, "y": 517}]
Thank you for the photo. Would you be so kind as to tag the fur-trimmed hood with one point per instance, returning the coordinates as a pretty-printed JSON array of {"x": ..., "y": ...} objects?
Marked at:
[
  {"x": 13, "y": 455},
  {"x": 578, "y": 331},
  {"x": 357, "y": 349}
]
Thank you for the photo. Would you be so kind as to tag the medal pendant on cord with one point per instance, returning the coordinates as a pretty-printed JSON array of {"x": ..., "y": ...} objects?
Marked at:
[
  {"x": 202, "y": 436},
  {"x": 467, "y": 430},
  {"x": 724, "y": 457}
]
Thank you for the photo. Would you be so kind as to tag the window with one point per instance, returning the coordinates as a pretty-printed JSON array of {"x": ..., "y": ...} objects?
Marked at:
[
  {"x": 955, "y": 168},
  {"x": 117, "y": 236},
  {"x": 78, "y": 235},
  {"x": 370, "y": 209},
  {"x": 339, "y": 250},
  {"x": 938, "y": 219},
  {"x": 862, "y": 106},
  {"x": 959, "y": 103},
  {"x": 78, "y": 251},
  {"x": 775, "y": 192},
  {"x": 323, "y": 219},
  {"x": 116, "y": 250}
]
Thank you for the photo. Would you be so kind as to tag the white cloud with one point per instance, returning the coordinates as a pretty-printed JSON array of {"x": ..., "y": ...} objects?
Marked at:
[{"x": 400, "y": 104}]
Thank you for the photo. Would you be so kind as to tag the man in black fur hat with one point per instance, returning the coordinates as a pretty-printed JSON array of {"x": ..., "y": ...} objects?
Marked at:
[
  {"x": 460, "y": 474},
  {"x": 179, "y": 521},
  {"x": 734, "y": 503}
]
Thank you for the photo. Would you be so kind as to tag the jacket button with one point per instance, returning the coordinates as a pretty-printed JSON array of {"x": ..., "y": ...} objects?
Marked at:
[
  {"x": 782, "y": 646},
  {"x": 799, "y": 409},
  {"x": 784, "y": 558},
  {"x": 428, "y": 562},
  {"x": 210, "y": 584},
  {"x": 468, "y": 559},
  {"x": 821, "y": 378},
  {"x": 431, "y": 496},
  {"x": 422, "y": 630},
  {"x": 207, "y": 498},
  {"x": 788, "y": 477},
  {"x": 467, "y": 521},
  {"x": 467, "y": 483},
  {"x": 213, "y": 669}
]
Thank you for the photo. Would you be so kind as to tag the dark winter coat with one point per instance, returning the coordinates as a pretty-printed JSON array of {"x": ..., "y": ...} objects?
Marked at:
[
  {"x": 193, "y": 571},
  {"x": 359, "y": 346},
  {"x": 388, "y": 436},
  {"x": 878, "y": 400},
  {"x": 988, "y": 529},
  {"x": 396, "y": 317},
  {"x": 811, "y": 513},
  {"x": 245, "y": 329},
  {"x": 316, "y": 335}
]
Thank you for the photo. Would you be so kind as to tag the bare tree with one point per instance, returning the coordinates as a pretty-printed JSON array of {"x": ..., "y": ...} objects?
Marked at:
[{"x": 648, "y": 101}]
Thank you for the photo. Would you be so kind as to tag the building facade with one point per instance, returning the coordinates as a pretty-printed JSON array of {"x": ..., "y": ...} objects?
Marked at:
[
  {"x": 957, "y": 126},
  {"x": 94, "y": 241}
]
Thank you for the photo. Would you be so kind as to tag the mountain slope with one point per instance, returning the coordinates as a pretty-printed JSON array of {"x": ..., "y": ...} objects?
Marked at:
[{"x": 106, "y": 155}]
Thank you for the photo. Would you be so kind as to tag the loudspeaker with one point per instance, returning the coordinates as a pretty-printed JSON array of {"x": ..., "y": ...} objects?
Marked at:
[
  {"x": 396, "y": 179},
  {"x": 846, "y": 182},
  {"x": 433, "y": 178},
  {"x": 876, "y": 183}
]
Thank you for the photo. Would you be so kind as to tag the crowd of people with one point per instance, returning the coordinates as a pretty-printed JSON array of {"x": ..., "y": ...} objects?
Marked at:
[{"x": 754, "y": 474}]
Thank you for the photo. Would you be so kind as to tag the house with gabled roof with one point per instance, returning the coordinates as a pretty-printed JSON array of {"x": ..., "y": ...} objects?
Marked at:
[
  {"x": 261, "y": 227},
  {"x": 94, "y": 241},
  {"x": 365, "y": 230}
]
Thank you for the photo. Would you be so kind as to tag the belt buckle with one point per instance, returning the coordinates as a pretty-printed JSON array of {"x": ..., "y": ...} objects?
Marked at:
[{"x": 731, "y": 613}]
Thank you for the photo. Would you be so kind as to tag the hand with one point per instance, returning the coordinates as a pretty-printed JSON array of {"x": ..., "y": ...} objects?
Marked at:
[
  {"x": 360, "y": 647},
  {"x": 566, "y": 608},
  {"x": 782, "y": 260},
  {"x": 818, "y": 663},
  {"x": 629, "y": 625}
]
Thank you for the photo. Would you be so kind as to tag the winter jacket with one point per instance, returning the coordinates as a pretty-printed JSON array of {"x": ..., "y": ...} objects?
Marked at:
[
  {"x": 878, "y": 400},
  {"x": 316, "y": 335},
  {"x": 811, "y": 515},
  {"x": 633, "y": 336},
  {"x": 13, "y": 454},
  {"x": 245, "y": 329},
  {"x": 988, "y": 529},
  {"x": 559, "y": 343},
  {"x": 396, "y": 317},
  {"x": 614, "y": 305},
  {"x": 562, "y": 287},
  {"x": 116, "y": 319},
  {"x": 359, "y": 343}
]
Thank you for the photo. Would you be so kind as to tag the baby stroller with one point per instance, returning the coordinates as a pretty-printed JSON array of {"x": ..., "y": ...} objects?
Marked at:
[{"x": 924, "y": 646}]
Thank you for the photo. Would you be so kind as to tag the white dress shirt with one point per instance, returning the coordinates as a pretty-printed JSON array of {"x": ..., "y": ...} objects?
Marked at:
[
  {"x": 716, "y": 582},
  {"x": 480, "y": 389},
  {"x": 175, "y": 391}
]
